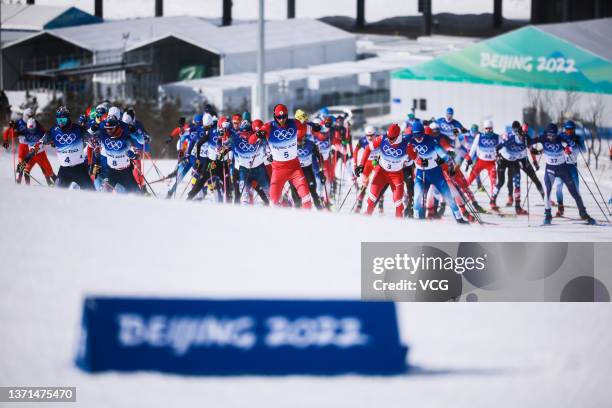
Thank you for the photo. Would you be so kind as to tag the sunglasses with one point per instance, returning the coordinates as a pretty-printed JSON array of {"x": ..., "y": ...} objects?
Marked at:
[{"x": 282, "y": 117}]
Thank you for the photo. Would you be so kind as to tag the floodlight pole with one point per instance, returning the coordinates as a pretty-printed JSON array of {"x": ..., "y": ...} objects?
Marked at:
[{"x": 261, "y": 97}]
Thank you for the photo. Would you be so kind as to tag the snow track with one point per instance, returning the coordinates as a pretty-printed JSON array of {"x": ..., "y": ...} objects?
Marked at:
[{"x": 58, "y": 246}]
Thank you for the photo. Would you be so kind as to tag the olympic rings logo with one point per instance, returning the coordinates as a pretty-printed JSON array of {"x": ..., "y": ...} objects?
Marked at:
[
  {"x": 421, "y": 149},
  {"x": 246, "y": 147},
  {"x": 488, "y": 142},
  {"x": 284, "y": 134},
  {"x": 113, "y": 144},
  {"x": 553, "y": 147},
  {"x": 389, "y": 151},
  {"x": 65, "y": 138}
]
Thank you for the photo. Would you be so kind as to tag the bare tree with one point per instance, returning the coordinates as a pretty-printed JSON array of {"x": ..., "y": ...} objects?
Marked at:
[{"x": 592, "y": 119}]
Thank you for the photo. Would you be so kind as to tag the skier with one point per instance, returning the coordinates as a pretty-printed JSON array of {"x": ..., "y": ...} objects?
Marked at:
[
  {"x": 370, "y": 164},
  {"x": 29, "y": 138},
  {"x": 185, "y": 159},
  {"x": 250, "y": 161},
  {"x": 114, "y": 155},
  {"x": 556, "y": 149},
  {"x": 282, "y": 136},
  {"x": 69, "y": 141},
  {"x": 322, "y": 138},
  {"x": 393, "y": 152},
  {"x": 208, "y": 166},
  {"x": 577, "y": 145},
  {"x": 429, "y": 155},
  {"x": 484, "y": 148},
  {"x": 510, "y": 152},
  {"x": 309, "y": 156},
  {"x": 450, "y": 127}
]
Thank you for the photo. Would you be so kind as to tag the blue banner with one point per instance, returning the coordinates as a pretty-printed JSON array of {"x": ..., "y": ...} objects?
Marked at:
[{"x": 232, "y": 337}]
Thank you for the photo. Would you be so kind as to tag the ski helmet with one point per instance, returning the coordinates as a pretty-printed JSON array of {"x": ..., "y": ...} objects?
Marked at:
[
  {"x": 569, "y": 125},
  {"x": 516, "y": 126},
  {"x": 207, "y": 120},
  {"x": 301, "y": 115},
  {"x": 257, "y": 124},
  {"x": 370, "y": 131},
  {"x": 324, "y": 112},
  {"x": 246, "y": 115},
  {"x": 27, "y": 114},
  {"x": 417, "y": 127},
  {"x": 450, "y": 111},
  {"x": 474, "y": 128},
  {"x": 222, "y": 123},
  {"x": 552, "y": 129},
  {"x": 411, "y": 116},
  {"x": 197, "y": 119},
  {"x": 31, "y": 123},
  {"x": 126, "y": 118},
  {"x": 62, "y": 116},
  {"x": 393, "y": 131},
  {"x": 115, "y": 111},
  {"x": 281, "y": 111},
  {"x": 487, "y": 124},
  {"x": 245, "y": 126}
]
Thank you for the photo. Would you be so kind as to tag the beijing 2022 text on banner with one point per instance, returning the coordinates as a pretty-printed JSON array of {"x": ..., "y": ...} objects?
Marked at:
[
  {"x": 223, "y": 337},
  {"x": 486, "y": 271}
]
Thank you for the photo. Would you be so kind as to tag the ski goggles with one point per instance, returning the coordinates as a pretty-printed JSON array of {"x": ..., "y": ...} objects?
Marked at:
[{"x": 61, "y": 121}]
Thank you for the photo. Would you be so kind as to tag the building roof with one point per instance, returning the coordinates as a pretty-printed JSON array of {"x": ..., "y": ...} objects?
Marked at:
[
  {"x": 37, "y": 17},
  {"x": 241, "y": 38},
  {"x": 592, "y": 35},
  {"x": 533, "y": 57}
]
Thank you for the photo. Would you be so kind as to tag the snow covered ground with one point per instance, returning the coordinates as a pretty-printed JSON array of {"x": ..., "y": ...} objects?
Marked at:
[{"x": 58, "y": 246}]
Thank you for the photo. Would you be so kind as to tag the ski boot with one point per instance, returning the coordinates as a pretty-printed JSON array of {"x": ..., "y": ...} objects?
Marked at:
[
  {"x": 358, "y": 206},
  {"x": 509, "y": 202},
  {"x": 469, "y": 217},
  {"x": 408, "y": 211},
  {"x": 589, "y": 220},
  {"x": 521, "y": 211},
  {"x": 462, "y": 221},
  {"x": 478, "y": 208},
  {"x": 441, "y": 209},
  {"x": 50, "y": 181},
  {"x": 493, "y": 205},
  {"x": 547, "y": 217},
  {"x": 560, "y": 210}
]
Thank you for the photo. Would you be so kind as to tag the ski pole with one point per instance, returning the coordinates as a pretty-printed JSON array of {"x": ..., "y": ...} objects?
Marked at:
[
  {"x": 345, "y": 197},
  {"x": 246, "y": 180},
  {"x": 593, "y": 195},
  {"x": 466, "y": 203},
  {"x": 594, "y": 181},
  {"x": 145, "y": 180},
  {"x": 361, "y": 190},
  {"x": 14, "y": 162},
  {"x": 529, "y": 185}
]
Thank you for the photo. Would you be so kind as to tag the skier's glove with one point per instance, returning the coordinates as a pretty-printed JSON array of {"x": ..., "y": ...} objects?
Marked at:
[
  {"x": 12, "y": 124},
  {"x": 451, "y": 154},
  {"x": 316, "y": 127},
  {"x": 469, "y": 162},
  {"x": 567, "y": 150},
  {"x": 95, "y": 127},
  {"x": 451, "y": 169},
  {"x": 95, "y": 170},
  {"x": 82, "y": 119},
  {"x": 131, "y": 155},
  {"x": 455, "y": 131},
  {"x": 261, "y": 134},
  {"x": 5, "y": 145},
  {"x": 197, "y": 164},
  {"x": 212, "y": 165},
  {"x": 441, "y": 161},
  {"x": 534, "y": 151},
  {"x": 270, "y": 158},
  {"x": 424, "y": 163},
  {"x": 536, "y": 165},
  {"x": 358, "y": 170},
  {"x": 322, "y": 177}
]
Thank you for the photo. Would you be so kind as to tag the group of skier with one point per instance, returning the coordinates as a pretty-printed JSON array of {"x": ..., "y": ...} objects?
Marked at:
[{"x": 296, "y": 160}]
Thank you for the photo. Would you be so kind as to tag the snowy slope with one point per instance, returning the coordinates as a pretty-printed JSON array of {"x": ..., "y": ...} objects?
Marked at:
[{"x": 58, "y": 246}]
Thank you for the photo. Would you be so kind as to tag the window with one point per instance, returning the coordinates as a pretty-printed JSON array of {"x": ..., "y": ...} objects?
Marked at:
[{"x": 299, "y": 94}]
